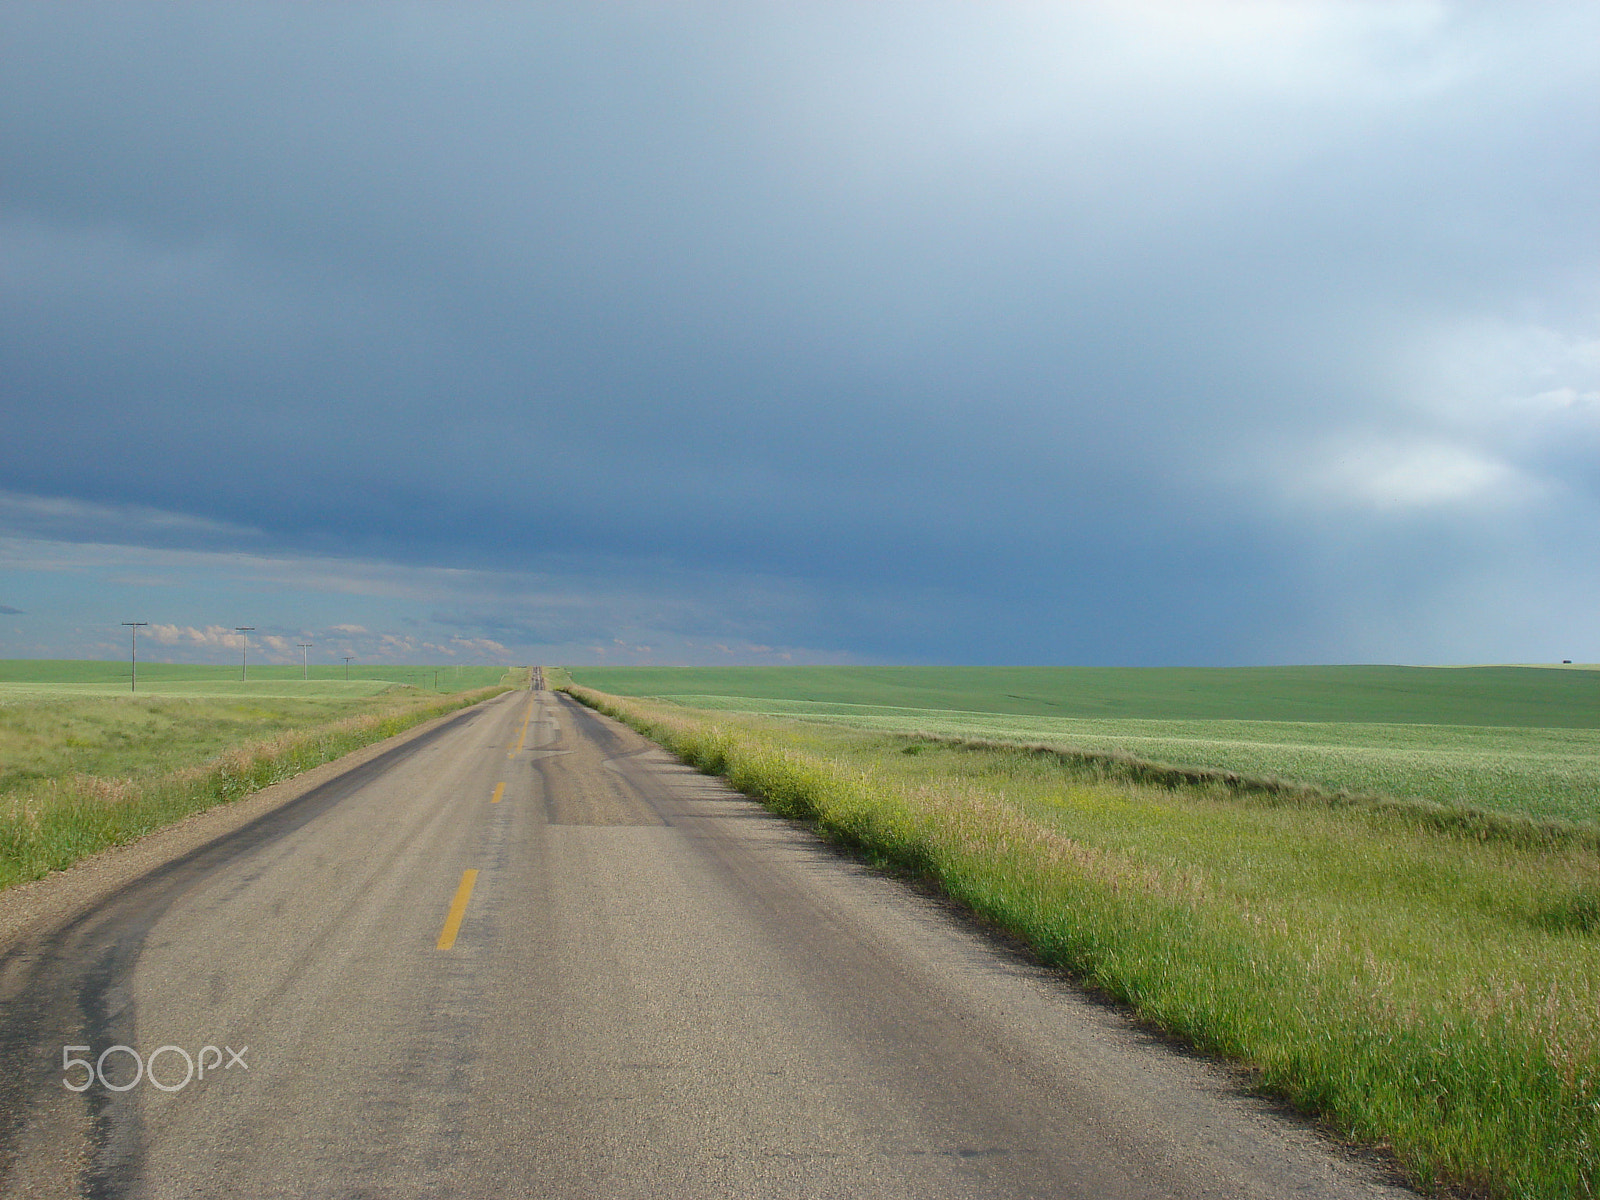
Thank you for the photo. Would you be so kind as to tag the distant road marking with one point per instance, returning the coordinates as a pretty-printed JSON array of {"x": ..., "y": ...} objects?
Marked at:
[
  {"x": 458, "y": 909},
  {"x": 523, "y": 736},
  {"x": 499, "y": 791}
]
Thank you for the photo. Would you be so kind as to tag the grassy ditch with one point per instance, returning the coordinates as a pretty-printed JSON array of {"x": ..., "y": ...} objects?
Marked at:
[
  {"x": 84, "y": 773},
  {"x": 1538, "y": 773},
  {"x": 1430, "y": 990}
]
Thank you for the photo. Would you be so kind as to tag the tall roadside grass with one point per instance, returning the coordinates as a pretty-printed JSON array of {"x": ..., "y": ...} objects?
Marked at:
[
  {"x": 1430, "y": 990},
  {"x": 49, "y": 823}
]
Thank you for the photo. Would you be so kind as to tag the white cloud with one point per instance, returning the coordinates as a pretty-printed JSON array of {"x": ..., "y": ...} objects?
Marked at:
[
  {"x": 481, "y": 645},
  {"x": 1508, "y": 376},
  {"x": 188, "y": 635},
  {"x": 1397, "y": 478}
]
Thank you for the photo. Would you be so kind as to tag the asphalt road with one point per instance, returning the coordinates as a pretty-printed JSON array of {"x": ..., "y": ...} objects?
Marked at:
[{"x": 527, "y": 954}]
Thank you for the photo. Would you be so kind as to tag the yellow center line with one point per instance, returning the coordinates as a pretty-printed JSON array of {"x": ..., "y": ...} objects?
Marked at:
[
  {"x": 458, "y": 909},
  {"x": 523, "y": 735},
  {"x": 499, "y": 792}
]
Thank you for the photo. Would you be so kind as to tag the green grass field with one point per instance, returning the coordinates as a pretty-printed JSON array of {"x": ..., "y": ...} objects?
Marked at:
[
  {"x": 85, "y": 763},
  {"x": 24, "y": 678},
  {"x": 1523, "y": 697},
  {"x": 1522, "y": 740}
]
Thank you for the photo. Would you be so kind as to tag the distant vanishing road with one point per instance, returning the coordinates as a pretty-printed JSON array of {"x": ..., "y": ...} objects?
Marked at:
[{"x": 527, "y": 954}]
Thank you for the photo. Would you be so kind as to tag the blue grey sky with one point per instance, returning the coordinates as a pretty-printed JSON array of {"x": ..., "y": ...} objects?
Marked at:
[{"x": 1123, "y": 333}]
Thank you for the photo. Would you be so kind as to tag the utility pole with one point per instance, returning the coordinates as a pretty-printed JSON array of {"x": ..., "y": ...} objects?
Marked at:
[
  {"x": 347, "y": 659},
  {"x": 133, "y": 685},
  {"x": 305, "y": 658},
  {"x": 245, "y": 652}
]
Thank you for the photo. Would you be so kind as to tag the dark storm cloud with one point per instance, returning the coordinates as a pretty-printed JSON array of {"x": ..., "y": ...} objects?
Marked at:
[{"x": 1122, "y": 333}]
